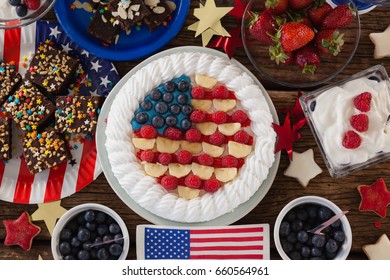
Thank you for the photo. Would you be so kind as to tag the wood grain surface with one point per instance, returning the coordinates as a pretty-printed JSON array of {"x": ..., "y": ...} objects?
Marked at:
[{"x": 342, "y": 191}]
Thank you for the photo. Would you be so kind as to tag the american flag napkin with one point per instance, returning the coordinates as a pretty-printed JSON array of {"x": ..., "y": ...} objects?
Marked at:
[{"x": 227, "y": 242}]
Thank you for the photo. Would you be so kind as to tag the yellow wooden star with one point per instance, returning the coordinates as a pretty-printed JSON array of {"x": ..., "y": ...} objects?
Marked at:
[
  {"x": 380, "y": 250},
  {"x": 49, "y": 213},
  {"x": 40, "y": 258},
  {"x": 209, "y": 16},
  {"x": 208, "y": 34},
  {"x": 381, "y": 42}
]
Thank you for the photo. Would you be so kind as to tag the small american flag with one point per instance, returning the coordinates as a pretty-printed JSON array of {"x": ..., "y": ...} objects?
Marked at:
[{"x": 229, "y": 242}]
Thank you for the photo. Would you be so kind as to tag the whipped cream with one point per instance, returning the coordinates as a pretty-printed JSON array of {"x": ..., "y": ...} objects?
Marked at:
[{"x": 332, "y": 114}]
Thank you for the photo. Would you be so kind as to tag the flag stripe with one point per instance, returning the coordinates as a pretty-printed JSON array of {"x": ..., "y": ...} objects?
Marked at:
[
  {"x": 2, "y": 169},
  {"x": 23, "y": 184},
  {"x": 227, "y": 257},
  {"x": 212, "y": 243},
  {"x": 12, "y": 46},
  {"x": 217, "y": 235},
  {"x": 39, "y": 187},
  {"x": 87, "y": 164},
  {"x": 55, "y": 182},
  {"x": 226, "y": 230},
  {"x": 227, "y": 248},
  {"x": 227, "y": 239},
  {"x": 2, "y": 42}
]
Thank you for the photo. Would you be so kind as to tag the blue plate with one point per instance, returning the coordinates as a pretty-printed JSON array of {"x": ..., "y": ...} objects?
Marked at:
[
  {"x": 138, "y": 44},
  {"x": 360, "y": 5}
]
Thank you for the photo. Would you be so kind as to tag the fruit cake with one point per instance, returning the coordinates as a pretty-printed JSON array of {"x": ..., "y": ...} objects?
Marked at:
[{"x": 195, "y": 141}]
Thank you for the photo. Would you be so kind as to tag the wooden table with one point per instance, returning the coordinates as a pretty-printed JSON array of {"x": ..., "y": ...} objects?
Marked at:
[{"x": 341, "y": 191}]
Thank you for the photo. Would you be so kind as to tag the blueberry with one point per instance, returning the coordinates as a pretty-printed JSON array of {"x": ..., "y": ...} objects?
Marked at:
[
  {"x": 65, "y": 248},
  {"x": 169, "y": 86},
  {"x": 292, "y": 237},
  {"x": 339, "y": 236},
  {"x": 93, "y": 254},
  {"x": 69, "y": 258},
  {"x": 114, "y": 228},
  {"x": 296, "y": 225},
  {"x": 158, "y": 121},
  {"x": 102, "y": 254},
  {"x": 313, "y": 105},
  {"x": 119, "y": 238},
  {"x": 186, "y": 109},
  {"x": 316, "y": 252},
  {"x": 161, "y": 108},
  {"x": 146, "y": 105},
  {"x": 324, "y": 213},
  {"x": 83, "y": 234},
  {"x": 284, "y": 229},
  {"x": 295, "y": 255},
  {"x": 83, "y": 255},
  {"x": 171, "y": 120},
  {"x": 89, "y": 215},
  {"x": 298, "y": 246},
  {"x": 115, "y": 250},
  {"x": 14, "y": 2},
  {"x": 327, "y": 230},
  {"x": 100, "y": 217},
  {"x": 80, "y": 219},
  {"x": 302, "y": 236},
  {"x": 75, "y": 242},
  {"x": 331, "y": 246},
  {"x": 316, "y": 259},
  {"x": 182, "y": 99},
  {"x": 302, "y": 215},
  {"x": 155, "y": 94},
  {"x": 102, "y": 230},
  {"x": 318, "y": 240},
  {"x": 168, "y": 97},
  {"x": 186, "y": 124},
  {"x": 97, "y": 241},
  {"x": 290, "y": 216},
  {"x": 331, "y": 256},
  {"x": 175, "y": 109},
  {"x": 73, "y": 225},
  {"x": 91, "y": 226},
  {"x": 312, "y": 212},
  {"x": 305, "y": 251},
  {"x": 87, "y": 245},
  {"x": 141, "y": 117},
  {"x": 74, "y": 251},
  {"x": 336, "y": 224},
  {"x": 21, "y": 10},
  {"x": 183, "y": 86},
  {"x": 107, "y": 237},
  {"x": 287, "y": 247},
  {"x": 93, "y": 235},
  {"x": 66, "y": 234}
]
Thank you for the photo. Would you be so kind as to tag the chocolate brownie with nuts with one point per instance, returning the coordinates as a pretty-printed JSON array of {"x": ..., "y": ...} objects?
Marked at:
[
  {"x": 128, "y": 12},
  {"x": 103, "y": 26},
  {"x": 9, "y": 80},
  {"x": 159, "y": 13},
  {"x": 5, "y": 138}
]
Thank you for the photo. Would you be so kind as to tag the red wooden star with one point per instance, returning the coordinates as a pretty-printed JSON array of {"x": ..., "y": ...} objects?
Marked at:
[
  {"x": 21, "y": 231},
  {"x": 229, "y": 44},
  {"x": 295, "y": 111},
  {"x": 375, "y": 197},
  {"x": 239, "y": 9}
]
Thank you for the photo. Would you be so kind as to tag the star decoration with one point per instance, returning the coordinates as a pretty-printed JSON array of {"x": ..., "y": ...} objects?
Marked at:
[
  {"x": 303, "y": 167},
  {"x": 287, "y": 136},
  {"x": 21, "y": 231},
  {"x": 381, "y": 42},
  {"x": 40, "y": 258},
  {"x": 54, "y": 32},
  {"x": 374, "y": 198},
  {"x": 229, "y": 44},
  {"x": 104, "y": 81},
  {"x": 296, "y": 111},
  {"x": 239, "y": 9},
  {"x": 96, "y": 66},
  {"x": 49, "y": 213},
  {"x": 84, "y": 52},
  {"x": 380, "y": 250},
  {"x": 66, "y": 48},
  {"x": 208, "y": 34},
  {"x": 72, "y": 162}
]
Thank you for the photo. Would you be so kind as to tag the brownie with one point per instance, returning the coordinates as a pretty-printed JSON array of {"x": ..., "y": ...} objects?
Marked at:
[
  {"x": 44, "y": 150},
  {"x": 29, "y": 107},
  {"x": 5, "y": 138},
  {"x": 9, "y": 80},
  {"x": 159, "y": 13},
  {"x": 95, "y": 3},
  {"x": 128, "y": 12},
  {"x": 77, "y": 114},
  {"x": 51, "y": 69},
  {"x": 103, "y": 26}
]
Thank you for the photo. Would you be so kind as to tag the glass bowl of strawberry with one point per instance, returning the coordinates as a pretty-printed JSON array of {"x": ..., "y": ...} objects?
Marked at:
[
  {"x": 18, "y": 13},
  {"x": 300, "y": 43}
]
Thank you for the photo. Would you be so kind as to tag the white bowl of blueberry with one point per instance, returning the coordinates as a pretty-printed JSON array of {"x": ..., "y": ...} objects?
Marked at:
[
  {"x": 294, "y": 242},
  {"x": 90, "y": 232}
]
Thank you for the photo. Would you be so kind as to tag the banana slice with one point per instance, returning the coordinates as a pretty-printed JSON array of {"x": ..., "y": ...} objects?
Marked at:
[
  {"x": 239, "y": 150},
  {"x": 165, "y": 145},
  {"x": 144, "y": 144},
  {"x": 205, "y": 81},
  {"x": 207, "y": 128},
  {"x": 178, "y": 170},
  {"x": 203, "y": 172},
  {"x": 188, "y": 193},
  {"x": 224, "y": 105},
  {"x": 155, "y": 170},
  {"x": 214, "y": 151},
  {"x": 193, "y": 148},
  {"x": 229, "y": 129},
  {"x": 225, "y": 174},
  {"x": 201, "y": 104}
]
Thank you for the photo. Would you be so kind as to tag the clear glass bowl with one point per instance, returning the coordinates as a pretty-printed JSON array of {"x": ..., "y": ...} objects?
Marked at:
[
  {"x": 31, "y": 17},
  {"x": 291, "y": 75}
]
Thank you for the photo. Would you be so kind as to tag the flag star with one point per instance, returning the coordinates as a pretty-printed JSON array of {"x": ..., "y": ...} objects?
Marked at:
[
  {"x": 54, "y": 32},
  {"x": 113, "y": 69},
  {"x": 96, "y": 66},
  {"x": 66, "y": 48},
  {"x": 84, "y": 52},
  {"x": 105, "y": 81}
]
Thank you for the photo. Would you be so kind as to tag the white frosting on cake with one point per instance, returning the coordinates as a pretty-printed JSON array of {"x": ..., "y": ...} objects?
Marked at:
[
  {"x": 332, "y": 114},
  {"x": 144, "y": 189}
]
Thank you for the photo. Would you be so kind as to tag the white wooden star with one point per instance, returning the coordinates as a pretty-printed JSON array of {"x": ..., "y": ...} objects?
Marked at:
[
  {"x": 54, "y": 32},
  {"x": 49, "y": 213},
  {"x": 105, "y": 81},
  {"x": 96, "y": 66},
  {"x": 380, "y": 250},
  {"x": 381, "y": 42},
  {"x": 303, "y": 167}
]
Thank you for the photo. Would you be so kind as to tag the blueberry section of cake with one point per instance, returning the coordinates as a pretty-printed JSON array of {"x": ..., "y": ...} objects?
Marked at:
[
  {"x": 5, "y": 138},
  {"x": 168, "y": 105},
  {"x": 9, "y": 80}
]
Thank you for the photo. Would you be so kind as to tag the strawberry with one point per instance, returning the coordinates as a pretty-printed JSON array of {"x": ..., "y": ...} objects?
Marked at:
[
  {"x": 339, "y": 17},
  {"x": 329, "y": 41},
  {"x": 184, "y": 157},
  {"x": 359, "y": 122},
  {"x": 276, "y": 7},
  {"x": 351, "y": 140},
  {"x": 280, "y": 56},
  {"x": 262, "y": 27},
  {"x": 169, "y": 182},
  {"x": 318, "y": 12},
  {"x": 307, "y": 58},
  {"x": 32, "y": 4},
  {"x": 193, "y": 182},
  {"x": 297, "y": 5},
  {"x": 211, "y": 185},
  {"x": 362, "y": 102},
  {"x": 294, "y": 35}
]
